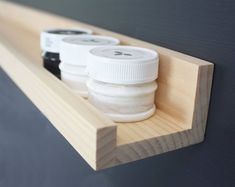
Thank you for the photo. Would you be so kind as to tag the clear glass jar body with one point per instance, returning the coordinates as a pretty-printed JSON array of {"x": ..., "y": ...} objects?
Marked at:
[
  {"x": 75, "y": 77},
  {"x": 123, "y": 103}
]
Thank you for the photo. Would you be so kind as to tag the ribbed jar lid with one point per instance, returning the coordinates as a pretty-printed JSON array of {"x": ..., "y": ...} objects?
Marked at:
[
  {"x": 74, "y": 49},
  {"x": 123, "y": 64},
  {"x": 50, "y": 39}
]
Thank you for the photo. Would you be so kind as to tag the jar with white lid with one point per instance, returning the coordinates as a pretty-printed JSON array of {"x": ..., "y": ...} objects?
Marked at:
[
  {"x": 50, "y": 44},
  {"x": 122, "y": 82},
  {"x": 73, "y": 56}
]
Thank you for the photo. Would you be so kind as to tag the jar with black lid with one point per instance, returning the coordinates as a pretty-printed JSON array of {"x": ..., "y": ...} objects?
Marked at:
[{"x": 50, "y": 45}]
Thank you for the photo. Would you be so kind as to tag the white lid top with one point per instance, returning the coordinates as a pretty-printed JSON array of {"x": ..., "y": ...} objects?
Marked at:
[
  {"x": 74, "y": 49},
  {"x": 123, "y": 64},
  {"x": 50, "y": 39}
]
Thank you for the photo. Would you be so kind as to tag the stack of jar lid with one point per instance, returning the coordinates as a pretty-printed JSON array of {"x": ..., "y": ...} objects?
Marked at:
[{"x": 118, "y": 80}]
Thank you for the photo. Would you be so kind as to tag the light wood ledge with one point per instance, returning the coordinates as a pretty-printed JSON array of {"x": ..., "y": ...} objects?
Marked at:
[{"x": 182, "y": 97}]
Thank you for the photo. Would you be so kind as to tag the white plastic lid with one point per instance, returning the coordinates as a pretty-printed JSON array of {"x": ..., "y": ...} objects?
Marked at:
[
  {"x": 74, "y": 49},
  {"x": 123, "y": 64},
  {"x": 50, "y": 39}
]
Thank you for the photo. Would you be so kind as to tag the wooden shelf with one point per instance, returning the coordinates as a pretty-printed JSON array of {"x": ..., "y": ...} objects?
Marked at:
[{"x": 182, "y": 98}]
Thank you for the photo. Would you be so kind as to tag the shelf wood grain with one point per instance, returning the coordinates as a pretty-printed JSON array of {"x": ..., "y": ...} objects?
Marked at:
[{"x": 182, "y": 98}]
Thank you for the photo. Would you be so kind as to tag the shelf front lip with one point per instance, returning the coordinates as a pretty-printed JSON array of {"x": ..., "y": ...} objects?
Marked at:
[{"x": 84, "y": 133}]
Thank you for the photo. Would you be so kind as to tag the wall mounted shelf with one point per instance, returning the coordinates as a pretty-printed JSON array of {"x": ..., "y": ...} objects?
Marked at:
[{"x": 182, "y": 98}]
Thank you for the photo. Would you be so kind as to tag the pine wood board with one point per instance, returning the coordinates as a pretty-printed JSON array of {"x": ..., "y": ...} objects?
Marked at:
[{"x": 182, "y": 98}]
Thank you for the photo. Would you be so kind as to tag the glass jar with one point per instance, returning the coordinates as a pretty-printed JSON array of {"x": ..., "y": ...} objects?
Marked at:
[
  {"x": 73, "y": 56},
  {"x": 122, "y": 82}
]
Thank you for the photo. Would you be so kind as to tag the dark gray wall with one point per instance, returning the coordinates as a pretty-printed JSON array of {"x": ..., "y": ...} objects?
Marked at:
[{"x": 34, "y": 154}]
